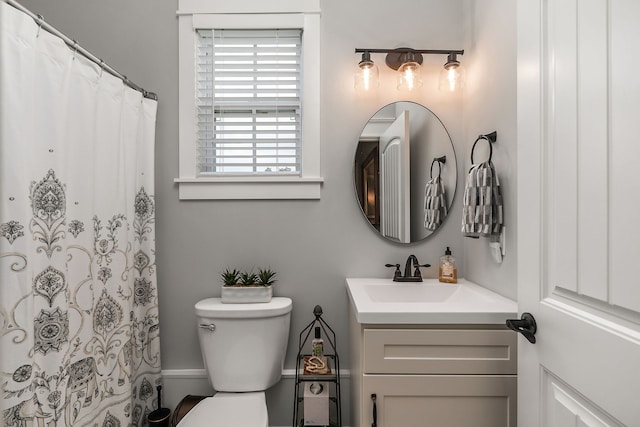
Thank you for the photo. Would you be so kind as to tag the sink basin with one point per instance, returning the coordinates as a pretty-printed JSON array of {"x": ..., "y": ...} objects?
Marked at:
[
  {"x": 382, "y": 301},
  {"x": 410, "y": 292}
]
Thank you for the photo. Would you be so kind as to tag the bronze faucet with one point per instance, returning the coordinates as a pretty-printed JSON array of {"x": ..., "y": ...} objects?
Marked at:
[{"x": 416, "y": 276}]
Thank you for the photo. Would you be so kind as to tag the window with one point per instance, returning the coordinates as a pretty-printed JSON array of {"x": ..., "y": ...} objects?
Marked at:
[{"x": 249, "y": 102}]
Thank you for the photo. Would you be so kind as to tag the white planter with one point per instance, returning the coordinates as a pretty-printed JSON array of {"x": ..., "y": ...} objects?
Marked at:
[{"x": 246, "y": 294}]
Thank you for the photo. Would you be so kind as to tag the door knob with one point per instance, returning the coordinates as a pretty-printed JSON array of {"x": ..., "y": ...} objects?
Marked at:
[{"x": 526, "y": 325}]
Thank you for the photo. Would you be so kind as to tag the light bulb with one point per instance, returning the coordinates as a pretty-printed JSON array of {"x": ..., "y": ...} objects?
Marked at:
[
  {"x": 452, "y": 76},
  {"x": 409, "y": 78},
  {"x": 366, "y": 77}
]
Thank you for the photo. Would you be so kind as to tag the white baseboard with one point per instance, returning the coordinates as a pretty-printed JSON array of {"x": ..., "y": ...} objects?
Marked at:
[
  {"x": 181, "y": 382},
  {"x": 184, "y": 373},
  {"x": 202, "y": 374}
]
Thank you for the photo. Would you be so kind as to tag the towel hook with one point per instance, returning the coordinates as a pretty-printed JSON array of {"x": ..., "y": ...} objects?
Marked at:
[
  {"x": 491, "y": 138},
  {"x": 440, "y": 161}
]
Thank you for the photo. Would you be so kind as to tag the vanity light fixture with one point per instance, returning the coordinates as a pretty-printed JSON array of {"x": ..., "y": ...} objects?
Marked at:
[{"x": 407, "y": 62}]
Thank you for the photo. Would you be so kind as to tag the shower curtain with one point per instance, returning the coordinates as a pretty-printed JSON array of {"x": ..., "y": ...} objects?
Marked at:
[{"x": 78, "y": 298}]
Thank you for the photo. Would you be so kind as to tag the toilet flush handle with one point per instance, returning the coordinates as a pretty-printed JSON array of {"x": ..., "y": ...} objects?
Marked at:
[{"x": 211, "y": 327}]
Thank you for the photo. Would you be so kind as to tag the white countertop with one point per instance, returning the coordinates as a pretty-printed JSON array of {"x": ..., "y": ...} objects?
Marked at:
[{"x": 383, "y": 301}]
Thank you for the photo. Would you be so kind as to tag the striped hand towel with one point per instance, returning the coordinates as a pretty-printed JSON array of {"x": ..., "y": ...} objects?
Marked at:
[
  {"x": 435, "y": 203},
  {"x": 482, "y": 202}
]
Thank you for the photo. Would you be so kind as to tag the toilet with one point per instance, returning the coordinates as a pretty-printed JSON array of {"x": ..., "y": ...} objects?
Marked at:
[{"x": 243, "y": 348}]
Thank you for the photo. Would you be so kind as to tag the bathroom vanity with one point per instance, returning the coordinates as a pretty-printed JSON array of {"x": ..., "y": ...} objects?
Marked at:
[{"x": 431, "y": 354}]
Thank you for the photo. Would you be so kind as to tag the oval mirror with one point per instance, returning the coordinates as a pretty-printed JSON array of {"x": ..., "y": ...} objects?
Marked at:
[{"x": 405, "y": 172}]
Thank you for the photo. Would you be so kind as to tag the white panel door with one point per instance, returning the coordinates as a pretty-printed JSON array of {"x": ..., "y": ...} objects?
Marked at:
[
  {"x": 578, "y": 211},
  {"x": 395, "y": 173}
]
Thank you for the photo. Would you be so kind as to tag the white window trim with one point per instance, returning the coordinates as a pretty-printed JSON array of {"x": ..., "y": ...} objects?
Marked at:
[{"x": 195, "y": 14}]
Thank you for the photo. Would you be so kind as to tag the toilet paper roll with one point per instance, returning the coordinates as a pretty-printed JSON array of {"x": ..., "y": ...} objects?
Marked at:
[{"x": 316, "y": 404}]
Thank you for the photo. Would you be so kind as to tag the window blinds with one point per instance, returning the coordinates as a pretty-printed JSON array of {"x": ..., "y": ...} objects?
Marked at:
[{"x": 248, "y": 101}]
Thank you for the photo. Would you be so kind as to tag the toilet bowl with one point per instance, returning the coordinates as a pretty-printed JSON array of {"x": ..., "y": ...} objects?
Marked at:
[
  {"x": 229, "y": 409},
  {"x": 243, "y": 347}
]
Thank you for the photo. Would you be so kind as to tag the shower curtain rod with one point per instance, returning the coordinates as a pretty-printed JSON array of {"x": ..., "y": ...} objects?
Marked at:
[{"x": 79, "y": 49}]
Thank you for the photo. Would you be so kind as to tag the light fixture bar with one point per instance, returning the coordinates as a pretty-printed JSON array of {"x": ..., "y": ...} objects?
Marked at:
[{"x": 407, "y": 49}]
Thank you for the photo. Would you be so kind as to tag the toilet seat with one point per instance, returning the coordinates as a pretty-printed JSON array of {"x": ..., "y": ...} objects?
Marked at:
[{"x": 229, "y": 409}]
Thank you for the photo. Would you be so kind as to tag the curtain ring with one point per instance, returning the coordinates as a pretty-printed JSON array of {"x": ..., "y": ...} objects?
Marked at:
[
  {"x": 490, "y": 138},
  {"x": 75, "y": 49},
  {"x": 39, "y": 21}
]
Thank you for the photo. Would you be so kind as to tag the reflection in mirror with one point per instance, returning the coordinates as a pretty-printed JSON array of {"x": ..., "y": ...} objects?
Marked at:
[{"x": 405, "y": 172}]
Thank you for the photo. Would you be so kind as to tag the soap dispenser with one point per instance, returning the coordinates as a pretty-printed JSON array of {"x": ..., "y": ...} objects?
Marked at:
[{"x": 448, "y": 270}]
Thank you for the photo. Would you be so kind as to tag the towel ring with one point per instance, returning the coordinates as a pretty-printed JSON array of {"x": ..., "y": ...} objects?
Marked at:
[
  {"x": 491, "y": 138},
  {"x": 439, "y": 161}
]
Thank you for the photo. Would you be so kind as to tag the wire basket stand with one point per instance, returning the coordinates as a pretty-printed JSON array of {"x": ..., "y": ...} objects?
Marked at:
[{"x": 332, "y": 377}]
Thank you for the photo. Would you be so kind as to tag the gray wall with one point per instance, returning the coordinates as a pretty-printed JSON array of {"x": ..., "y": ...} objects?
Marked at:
[
  {"x": 490, "y": 104},
  {"x": 313, "y": 245}
]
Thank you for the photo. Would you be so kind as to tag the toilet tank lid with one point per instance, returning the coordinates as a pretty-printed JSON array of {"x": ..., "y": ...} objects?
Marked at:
[{"x": 213, "y": 307}]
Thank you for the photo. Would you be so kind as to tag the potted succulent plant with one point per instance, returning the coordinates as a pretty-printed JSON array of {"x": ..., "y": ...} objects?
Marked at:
[
  {"x": 248, "y": 279},
  {"x": 229, "y": 277},
  {"x": 239, "y": 287},
  {"x": 266, "y": 277}
]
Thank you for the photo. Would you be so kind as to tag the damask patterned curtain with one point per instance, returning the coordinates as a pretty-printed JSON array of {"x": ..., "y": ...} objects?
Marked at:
[{"x": 78, "y": 298}]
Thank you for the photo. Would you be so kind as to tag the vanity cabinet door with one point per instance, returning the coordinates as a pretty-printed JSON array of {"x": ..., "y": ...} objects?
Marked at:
[{"x": 439, "y": 400}]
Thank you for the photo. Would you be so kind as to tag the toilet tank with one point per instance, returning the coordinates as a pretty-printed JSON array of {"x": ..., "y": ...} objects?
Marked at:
[{"x": 243, "y": 345}]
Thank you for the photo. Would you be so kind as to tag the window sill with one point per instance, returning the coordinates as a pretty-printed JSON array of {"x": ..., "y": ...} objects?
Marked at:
[{"x": 249, "y": 188}]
